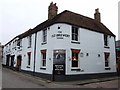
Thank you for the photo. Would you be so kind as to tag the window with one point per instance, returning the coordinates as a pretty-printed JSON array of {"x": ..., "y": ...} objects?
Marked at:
[
  {"x": 29, "y": 41},
  {"x": 45, "y": 35},
  {"x": 19, "y": 43},
  {"x": 105, "y": 40},
  {"x": 43, "y": 55},
  {"x": 75, "y": 33},
  {"x": 75, "y": 58},
  {"x": 29, "y": 57},
  {"x": 107, "y": 59}
]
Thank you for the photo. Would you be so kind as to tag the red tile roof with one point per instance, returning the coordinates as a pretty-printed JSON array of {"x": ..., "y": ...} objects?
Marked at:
[{"x": 71, "y": 18}]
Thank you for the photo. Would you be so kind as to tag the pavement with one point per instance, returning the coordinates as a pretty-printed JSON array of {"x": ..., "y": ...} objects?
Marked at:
[
  {"x": 43, "y": 83},
  {"x": 89, "y": 81}
]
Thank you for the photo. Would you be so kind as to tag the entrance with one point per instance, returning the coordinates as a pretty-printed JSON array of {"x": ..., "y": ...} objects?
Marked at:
[
  {"x": 12, "y": 61},
  {"x": 19, "y": 59},
  {"x": 59, "y": 58},
  {"x": 7, "y": 60}
]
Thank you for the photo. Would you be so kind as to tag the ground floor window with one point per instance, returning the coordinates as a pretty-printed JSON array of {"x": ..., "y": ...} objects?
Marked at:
[
  {"x": 107, "y": 55},
  {"x": 75, "y": 58},
  {"x": 43, "y": 57},
  {"x": 29, "y": 57}
]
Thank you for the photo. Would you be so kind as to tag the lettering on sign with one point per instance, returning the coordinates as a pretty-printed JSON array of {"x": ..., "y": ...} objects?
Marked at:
[
  {"x": 60, "y": 36},
  {"x": 59, "y": 67}
]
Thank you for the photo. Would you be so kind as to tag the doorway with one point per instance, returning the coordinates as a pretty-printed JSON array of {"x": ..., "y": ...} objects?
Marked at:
[
  {"x": 19, "y": 59},
  {"x": 59, "y": 57},
  {"x": 7, "y": 60},
  {"x": 12, "y": 61}
]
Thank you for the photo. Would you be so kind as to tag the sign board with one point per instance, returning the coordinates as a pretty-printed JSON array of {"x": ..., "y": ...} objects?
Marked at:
[
  {"x": 59, "y": 69},
  {"x": 60, "y": 35}
]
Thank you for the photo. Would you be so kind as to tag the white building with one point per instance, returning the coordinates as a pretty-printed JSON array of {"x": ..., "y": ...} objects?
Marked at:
[{"x": 67, "y": 46}]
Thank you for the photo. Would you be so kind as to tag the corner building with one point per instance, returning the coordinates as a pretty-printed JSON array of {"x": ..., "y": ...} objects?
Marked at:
[{"x": 67, "y": 46}]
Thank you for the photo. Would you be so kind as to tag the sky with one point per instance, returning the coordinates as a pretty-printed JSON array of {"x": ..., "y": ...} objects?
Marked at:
[{"x": 18, "y": 16}]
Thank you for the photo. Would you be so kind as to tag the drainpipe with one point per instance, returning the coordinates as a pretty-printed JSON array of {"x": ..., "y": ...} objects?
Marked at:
[{"x": 34, "y": 53}]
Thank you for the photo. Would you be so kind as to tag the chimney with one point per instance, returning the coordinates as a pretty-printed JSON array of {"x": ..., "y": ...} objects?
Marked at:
[
  {"x": 97, "y": 15},
  {"x": 52, "y": 10}
]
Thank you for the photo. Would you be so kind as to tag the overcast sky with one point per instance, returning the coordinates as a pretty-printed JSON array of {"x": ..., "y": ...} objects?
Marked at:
[{"x": 17, "y": 16}]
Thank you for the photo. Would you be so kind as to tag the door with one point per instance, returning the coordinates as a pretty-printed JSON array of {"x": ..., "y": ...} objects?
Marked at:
[
  {"x": 59, "y": 57},
  {"x": 7, "y": 60},
  {"x": 12, "y": 61},
  {"x": 19, "y": 59}
]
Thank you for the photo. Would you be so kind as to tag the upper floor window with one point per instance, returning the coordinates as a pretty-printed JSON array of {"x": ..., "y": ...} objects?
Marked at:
[
  {"x": 29, "y": 41},
  {"x": 19, "y": 43},
  {"x": 74, "y": 33},
  {"x": 105, "y": 40},
  {"x": 45, "y": 35}
]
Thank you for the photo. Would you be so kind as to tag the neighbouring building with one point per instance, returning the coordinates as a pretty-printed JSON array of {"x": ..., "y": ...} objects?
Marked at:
[
  {"x": 118, "y": 56},
  {"x": 67, "y": 46},
  {"x": 1, "y": 51}
]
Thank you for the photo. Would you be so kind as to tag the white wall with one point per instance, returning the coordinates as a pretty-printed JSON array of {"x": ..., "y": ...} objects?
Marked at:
[{"x": 90, "y": 42}]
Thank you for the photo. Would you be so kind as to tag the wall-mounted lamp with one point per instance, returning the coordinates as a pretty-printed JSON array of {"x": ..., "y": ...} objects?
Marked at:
[
  {"x": 69, "y": 58},
  {"x": 98, "y": 55},
  {"x": 49, "y": 58},
  {"x": 81, "y": 54}
]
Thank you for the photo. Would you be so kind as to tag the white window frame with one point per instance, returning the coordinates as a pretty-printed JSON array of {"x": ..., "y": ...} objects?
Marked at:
[
  {"x": 29, "y": 41},
  {"x": 42, "y": 66},
  {"x": 77, "y": 60},
  {"x": 73, "y": 27},
  {"x": 44, "y": 38}
]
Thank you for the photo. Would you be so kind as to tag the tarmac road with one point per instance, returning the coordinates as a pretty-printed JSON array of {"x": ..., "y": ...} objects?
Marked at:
[
  {"x": 13, "y": 79},
  {"x": 106, "y": 84}
]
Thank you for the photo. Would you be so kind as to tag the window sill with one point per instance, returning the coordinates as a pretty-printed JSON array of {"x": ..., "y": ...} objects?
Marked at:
[
  {"x": 43, "y": 43},
  {"x": 29, "y": 47},
  {"x": 106, "y": 47},
  {"x": 77, "y": 69},
  {"x": 107, "y": 68},
  {"x": 77, "y": 42},
  {"x": 27, "y": 66},
  {"x": 43, "y": 68}
]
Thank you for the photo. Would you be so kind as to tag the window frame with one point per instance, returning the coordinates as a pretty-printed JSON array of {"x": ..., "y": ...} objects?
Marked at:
[
  {"x": 75, "y": 51},
  {"x": 43, "y": 58},
  {"x": 106, "y": 42},
  {"x": 107, "y": 59},
  {"x": 75, "y": 34},
  {"x": 29, "y": 41},
  {"x": 44, "y": 35},
  {"x": 29, "y": 58}
]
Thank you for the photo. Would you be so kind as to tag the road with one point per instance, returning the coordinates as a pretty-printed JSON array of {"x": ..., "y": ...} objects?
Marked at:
[
  {"x": 12, "y": 79},
  {"x": 107, "y": 84}
]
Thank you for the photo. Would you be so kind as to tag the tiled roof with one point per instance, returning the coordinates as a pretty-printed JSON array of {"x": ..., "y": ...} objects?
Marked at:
[{"x": 72, "y": 18}]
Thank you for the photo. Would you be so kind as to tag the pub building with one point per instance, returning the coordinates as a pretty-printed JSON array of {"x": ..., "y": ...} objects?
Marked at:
[{"x": 67, "y": 46}]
